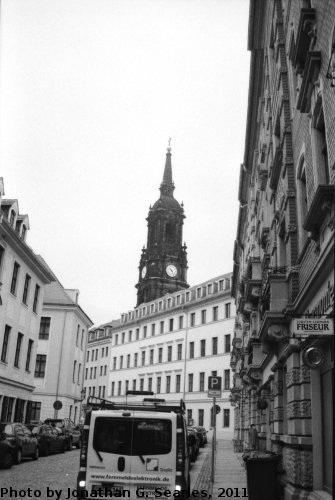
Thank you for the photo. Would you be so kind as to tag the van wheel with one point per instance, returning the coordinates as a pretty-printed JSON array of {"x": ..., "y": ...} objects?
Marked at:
[
  {"x": 69, "y": 444},
  {"x": 8, "y": 460},
  {"x": 18, "y": 456}
]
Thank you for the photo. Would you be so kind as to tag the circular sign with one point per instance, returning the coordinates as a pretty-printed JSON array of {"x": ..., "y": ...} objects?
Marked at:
[{"x": 57, "y": 405}]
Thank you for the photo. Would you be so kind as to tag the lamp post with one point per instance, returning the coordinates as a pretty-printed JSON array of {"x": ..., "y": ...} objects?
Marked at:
[{"x": 82, "y": 397}]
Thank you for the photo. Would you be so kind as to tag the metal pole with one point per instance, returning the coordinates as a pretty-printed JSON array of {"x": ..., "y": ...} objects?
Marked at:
[{"x": 213, "y": 440}]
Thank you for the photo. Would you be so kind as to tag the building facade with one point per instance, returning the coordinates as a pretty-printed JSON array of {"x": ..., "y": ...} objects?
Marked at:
[
  {"x": 23, "y": 278},
  {"x": 60, "y": 355},
  {"x": 284, "y": 251},
  {"x": 169, "y": 346}
]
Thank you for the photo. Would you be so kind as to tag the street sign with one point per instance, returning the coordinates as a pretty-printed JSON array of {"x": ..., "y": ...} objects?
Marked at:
[
  {"x": 217, "y": 409},
  {"x": 57, "y": 405},
  {"x": 214, "y": 387}
]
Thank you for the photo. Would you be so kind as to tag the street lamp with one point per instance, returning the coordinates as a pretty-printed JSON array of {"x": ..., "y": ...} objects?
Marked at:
[{"x": 82, "y": 397}]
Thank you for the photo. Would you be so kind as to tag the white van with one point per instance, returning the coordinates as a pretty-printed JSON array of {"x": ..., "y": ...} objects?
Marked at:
[{"x": 134, "y": 450}]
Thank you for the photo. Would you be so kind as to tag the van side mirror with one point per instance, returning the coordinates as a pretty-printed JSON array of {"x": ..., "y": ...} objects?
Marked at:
[{"x": 191, "y": 440}]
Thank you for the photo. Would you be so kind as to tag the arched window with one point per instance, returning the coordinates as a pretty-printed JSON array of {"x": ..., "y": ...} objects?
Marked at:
[{"x": 170, "y": 232}]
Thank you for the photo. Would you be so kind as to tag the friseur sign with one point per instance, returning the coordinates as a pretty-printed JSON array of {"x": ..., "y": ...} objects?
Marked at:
[{"x": 313, "y": 326}]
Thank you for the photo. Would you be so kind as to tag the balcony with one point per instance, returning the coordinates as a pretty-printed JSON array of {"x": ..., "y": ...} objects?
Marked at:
[
  {"x": 322, "y": 204},
  {"x": 305, "y": 34},
  {"x": 309, "y": 77}
]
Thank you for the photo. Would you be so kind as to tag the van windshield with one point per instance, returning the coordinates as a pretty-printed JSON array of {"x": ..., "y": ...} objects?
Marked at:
[{"x": 138, "y": 436}]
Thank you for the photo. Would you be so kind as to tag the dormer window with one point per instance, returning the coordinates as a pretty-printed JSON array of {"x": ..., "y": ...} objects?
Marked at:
[
  {"x": 178, "y": 300},
  {"x": 198, "y": 293},
  {"x": 210, "y": 288},
  {"x": 23, "y": 232},
  {"x": 12, "y": 218}
]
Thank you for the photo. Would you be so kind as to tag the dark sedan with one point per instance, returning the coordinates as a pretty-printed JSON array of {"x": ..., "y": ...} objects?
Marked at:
[
  {"x": 49, "y": 439},
  {"x": 21, "y": 438},
  {"x": 202, "y": 433},
  {"x": 7, "y": 452}
]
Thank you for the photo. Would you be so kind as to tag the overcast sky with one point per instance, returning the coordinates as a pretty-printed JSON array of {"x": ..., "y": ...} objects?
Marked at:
[{"x": 91, "y": 91}]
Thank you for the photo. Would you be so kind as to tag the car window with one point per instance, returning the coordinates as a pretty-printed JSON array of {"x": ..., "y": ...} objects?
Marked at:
[
  {"x": 8, "y": 429},
  {"x": 132, "y": 437}
]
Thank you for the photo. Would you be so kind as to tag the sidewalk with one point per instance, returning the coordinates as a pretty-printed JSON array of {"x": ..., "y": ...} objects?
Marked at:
[{"x": 229, "y": 472}]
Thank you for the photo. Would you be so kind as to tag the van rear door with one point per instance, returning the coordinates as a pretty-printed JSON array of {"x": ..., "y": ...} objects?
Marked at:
[{"x": 131, "y": 451}]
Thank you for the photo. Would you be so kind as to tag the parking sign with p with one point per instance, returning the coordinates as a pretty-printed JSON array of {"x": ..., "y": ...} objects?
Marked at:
[{"x": 214, "y": 387}]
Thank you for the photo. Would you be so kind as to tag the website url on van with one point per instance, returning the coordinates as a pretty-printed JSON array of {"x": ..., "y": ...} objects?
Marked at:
[{"x": 131, "y": 477}]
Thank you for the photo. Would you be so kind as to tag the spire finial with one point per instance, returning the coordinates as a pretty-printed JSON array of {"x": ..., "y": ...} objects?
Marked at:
[{"x": 169, "y": 145}]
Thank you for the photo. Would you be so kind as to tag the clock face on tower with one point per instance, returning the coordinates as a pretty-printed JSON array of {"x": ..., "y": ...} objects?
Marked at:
[
  {"x": 171, "y": 270},
  {"x": 144, "y": 271}
]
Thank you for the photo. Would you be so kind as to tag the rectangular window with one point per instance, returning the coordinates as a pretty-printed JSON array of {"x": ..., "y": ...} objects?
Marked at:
[
  {"x": 203, "y": 316},
  {"x": 91, "y": 372},
  {"x": 79, "y": 370},
  {"x": 121, "y": 362},
  {"x": 161, "y": 327},
  {"x": 227, "y": 310},
  {"x": 116, "y": 339},
  {"x": 159, "y": 382},
  {"x": 153, "y": 329},
  {"x": 177, "y": 383},
  {"x": 106, "y": 351},
  {"x": 221, "y": 287},
  {"x": 26, "y": 289},
  {"x": 101, "y": 368},
  {"x": 135, "y": 358},
  {"x": 44, "y": 328},
  {"x": 92, "y": 355},
  {"x": 2, "y": 253},
  {"x": 214, "y": 373},
  {"x": 189, "y": 417},
  {"x": 123, "y": 337},
  {"x": 201, "y": 381},
  {"x": 145, "y": 332},
  {"x": 201, "y": 418},
  {"x": 151, "y": 356},
  {"x": 74, "y": 370},
  {"x": 181, "y": 322},
  {"x": 134, "y": 384},
  {"x": 168, "y": 383},
  {"x": 191, "y": 350},
  {"x": 137, "y": 333},
  {"x": 227, "y": 380},
  {"x": 214, "y": 345},
  {"x": 160, "y": 354},
  {"x": 15, "y": 275},
  {"x": 130, "y": 334},
  {"x": 87, "y": 356},
  {"x": 179, "y": 351},
  {"x": 119, "y": 388},
  {"x": 29, "y": 351},
  {"x": 170, "y": 324},
  {"x": 143, "y": 358},
  {"x": 105, "y": 370},
  {"x": 41, "y": 360},
  {"x": 77, "y": 336},
  {"x": 150, "y": 384},
  {"x": 227, "y": 343},
  {"x": 190, "y": 382},
  {"x": 169, "y": 353},
  {"x": 102, "y": 352},
  {"x": 203, "y": 347},
  {"x": 215, "y": 313},
  {"x": 114, "y": 363},
  {"x": 192, "y": 319},
  {"x": 127, "y": 386},
  {"x": 141, "y": 384},
  {"x": 113, "y": 388},
  {"x": 103, "y": 391},
  {"x": 198, "y": 293},
  {"x": 226, "y": 418},
  {"x": 18, "y": 349},
  {"x": 82, "y": 339},
  {"x": 5, "y": 343},
  {"x": 36, "y": 295},
  {"x": 96, "y": 354},
  {"x": 86, "y": 373},
  {"x": 128, "y": 360}
]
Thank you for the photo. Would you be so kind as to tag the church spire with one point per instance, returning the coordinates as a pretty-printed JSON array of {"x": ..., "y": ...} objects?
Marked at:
[{"x": 167, "y": 186}]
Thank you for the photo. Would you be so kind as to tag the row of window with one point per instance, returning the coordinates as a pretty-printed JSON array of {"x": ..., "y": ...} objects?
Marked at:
[
  {"x": 116, "y": 388},
  {"x": 200, "y": 420},
  {"x": 198, "y": 293},
  {"x": 45, "y": 332},
  {"x": 26, "y": 286},
  {"x": 95, "y": 353},
  {"x": 18, "y": 349},
  {"x": 100, "y": 393},
  {"x": 171, "y": 325},
  {"x": 93, "y": 372},
  {"x": 202, "y": 353}
]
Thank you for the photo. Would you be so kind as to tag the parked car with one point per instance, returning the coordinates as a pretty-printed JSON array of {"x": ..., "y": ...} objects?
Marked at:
[
  {"x": 7, "y": 452},
  {"x": 49, "y": 439},
  {"x": 21, "y": 438},
  {"x": 68, "y": 429},
  {"x": 193, "y": 444},
  {"x": 202, "y": 433}
]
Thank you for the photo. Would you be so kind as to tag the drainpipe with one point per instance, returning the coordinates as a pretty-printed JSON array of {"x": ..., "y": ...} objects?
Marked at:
[{"x": 59, "y": 366}]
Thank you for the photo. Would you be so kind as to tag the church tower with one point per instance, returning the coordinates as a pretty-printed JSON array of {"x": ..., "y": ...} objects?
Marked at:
[{"x": 163, "y": 264}]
